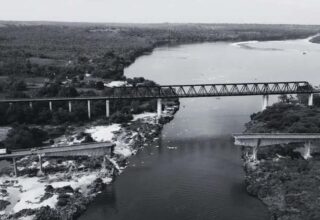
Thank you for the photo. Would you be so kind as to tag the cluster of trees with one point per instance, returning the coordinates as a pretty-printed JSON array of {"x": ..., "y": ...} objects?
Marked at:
[
  {"x": 21, "y": 136},
  {"x": 121, "y": 110},
  {"x": 287, "y": 117}
]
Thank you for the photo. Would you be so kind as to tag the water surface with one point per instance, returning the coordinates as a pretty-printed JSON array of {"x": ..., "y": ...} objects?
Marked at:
[{"x": 195, "y": 171}]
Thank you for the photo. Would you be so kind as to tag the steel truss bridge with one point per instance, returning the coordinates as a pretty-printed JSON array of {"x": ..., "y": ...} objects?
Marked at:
[
  {"x": 184, "y": 91},
  {"x": 191, "y": 91}
]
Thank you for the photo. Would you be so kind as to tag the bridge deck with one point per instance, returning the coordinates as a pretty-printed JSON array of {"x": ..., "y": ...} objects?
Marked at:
[
  {"x": 190, "y": 91},
  {"x": 76, "y": 150},
  {"x": 265, "y": 139}
]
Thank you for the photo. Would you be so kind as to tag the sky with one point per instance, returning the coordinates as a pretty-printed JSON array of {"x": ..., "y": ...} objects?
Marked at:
[{"x": 159, "y": 11}]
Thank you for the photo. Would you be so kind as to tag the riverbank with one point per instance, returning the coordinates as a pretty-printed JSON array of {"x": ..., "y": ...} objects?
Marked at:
[
  {"x": 286, "y": 182},
  {"x": 70, "y": 185}
]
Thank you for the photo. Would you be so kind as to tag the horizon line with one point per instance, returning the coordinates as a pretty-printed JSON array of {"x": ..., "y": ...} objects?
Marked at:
[{"x": 156, "y": 23}]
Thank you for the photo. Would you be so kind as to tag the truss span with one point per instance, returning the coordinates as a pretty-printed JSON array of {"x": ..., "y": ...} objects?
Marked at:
[{"x": 190, "y": 91}]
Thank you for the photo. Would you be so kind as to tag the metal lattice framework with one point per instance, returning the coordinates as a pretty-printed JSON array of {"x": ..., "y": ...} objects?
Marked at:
[
  {"x": 188, "y": 91},
  {"x": 209, "y": 90}
]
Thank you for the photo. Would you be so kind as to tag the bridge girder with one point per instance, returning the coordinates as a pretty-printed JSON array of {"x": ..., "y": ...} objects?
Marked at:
[{"x": 188, "y": 91}]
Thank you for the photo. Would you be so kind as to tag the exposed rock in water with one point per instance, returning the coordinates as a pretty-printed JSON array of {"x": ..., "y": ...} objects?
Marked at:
[{"x": 3, "y": 204}]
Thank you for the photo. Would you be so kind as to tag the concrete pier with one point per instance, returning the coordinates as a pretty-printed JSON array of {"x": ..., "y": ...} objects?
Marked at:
[
  {"x": 310, "y": 99},
  {"x": 89, "y": 109},
  {"x": 50, "y": 106},
  {"x": 159, "y": 108},
  {"x": 70, "y": 107},
  {"x": 40, "y": 165},
  {"x": 307, "y": 150},
  {"x": 107, "y": 108},
  {"x": 15, "y": 169},
  {"x": 254, "y": 153},
  {"x": 265, "y": 102}
]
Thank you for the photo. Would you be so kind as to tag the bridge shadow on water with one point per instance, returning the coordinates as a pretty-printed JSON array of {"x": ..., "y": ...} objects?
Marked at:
[{"x": 181, "y": 179}]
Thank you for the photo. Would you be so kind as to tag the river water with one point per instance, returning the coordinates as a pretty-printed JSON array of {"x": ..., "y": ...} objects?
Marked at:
[{"x": 196, "y": 172}]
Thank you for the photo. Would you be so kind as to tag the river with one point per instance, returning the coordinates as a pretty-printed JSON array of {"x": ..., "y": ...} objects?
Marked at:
[{"x": 196, "y": 172}]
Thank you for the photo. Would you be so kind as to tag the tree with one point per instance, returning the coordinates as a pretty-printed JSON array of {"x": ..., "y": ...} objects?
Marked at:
[
  {"x": 21, "y": 136},
  {"x": 100, "y": 85}
]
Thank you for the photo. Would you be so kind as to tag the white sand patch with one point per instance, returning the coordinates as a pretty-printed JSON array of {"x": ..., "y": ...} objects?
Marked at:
[
  {"x": 25, "y": 204},
  {"x": 103, "y": 133},
  {"x": 78, "y": 181},
  {"x": 45, "y": 164},
  {"x": 106, "y": 180},
  {"x": 244, "y": 43},
  {"x": 124, "y": 150},
  {"x": 116, "y": 84},
  {"x": 25, "y": 193},
  {"x": 146, "y": 115}
]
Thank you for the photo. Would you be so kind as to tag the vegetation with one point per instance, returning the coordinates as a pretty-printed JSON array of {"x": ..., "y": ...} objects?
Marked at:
[
  {"x": 21, "y": 136},
  {"x": 283, "y": 179},
  {"x": 316, "y": 39},
  {"x": 288, "y": 116}
]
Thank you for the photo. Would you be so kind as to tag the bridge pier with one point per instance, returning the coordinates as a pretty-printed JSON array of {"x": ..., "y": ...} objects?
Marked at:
[
  {"x": 255, "y": 149},
  {"x": 30, "y": 105},
  {"x": 159, "y": 108},
  {"x": 50, "y": 106},
  {"x": 15, "y": 169},
  {"x": 307, "y": 150},
  {"x": 40, "y": 165},
  {"x": 254, "y": 153},
  {"x": 89, "y": 109},
  {"x": 265, "y": 102},
  {"x": 107, "y": 108},
  {"x": 310, "y": 99},
  {"x": 70, "y": 107}
]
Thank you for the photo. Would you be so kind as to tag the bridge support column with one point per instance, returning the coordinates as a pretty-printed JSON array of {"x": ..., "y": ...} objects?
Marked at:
[
  {"x": 159, "y": 108},
  {"x": 310, "y": 100},
  {"x": 89, "y": 109},
  {"x": 40, "y": 165},
  {"x": 265, "y": 102},
  {"x": 15, "y": 169},
  {"x": 307, "y": 150},
  {"x": 107, "y": 108},
  {"x": 50, "y": 106},
  {"x": 30, "y": 105},
  {"x": 254, "y": 153},
  {"x": 70, "y": 107},
  {"x": 255, "y": 149}
]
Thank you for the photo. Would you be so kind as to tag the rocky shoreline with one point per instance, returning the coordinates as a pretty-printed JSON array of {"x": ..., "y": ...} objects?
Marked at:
[{"x": 69, "y": 186}]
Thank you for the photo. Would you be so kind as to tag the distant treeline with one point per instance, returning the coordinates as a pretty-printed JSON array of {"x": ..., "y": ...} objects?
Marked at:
[{"x": 104, "y": 50}]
